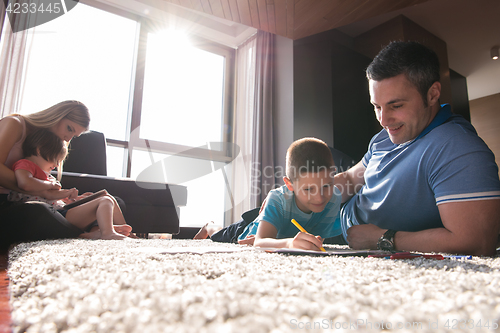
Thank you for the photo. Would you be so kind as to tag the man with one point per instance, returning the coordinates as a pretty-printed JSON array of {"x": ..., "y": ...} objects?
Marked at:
[{"x": 428, "y": 182}]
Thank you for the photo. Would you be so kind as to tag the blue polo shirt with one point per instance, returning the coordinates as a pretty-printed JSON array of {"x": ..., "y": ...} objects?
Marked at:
[{"x": 404, "y": 184}]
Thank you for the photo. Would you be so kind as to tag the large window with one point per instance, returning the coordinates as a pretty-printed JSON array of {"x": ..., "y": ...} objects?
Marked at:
[
  {"x": 154, "y": 92},
  {"x": 68, "y": 58},
  {"x": 183, "y": 91}
]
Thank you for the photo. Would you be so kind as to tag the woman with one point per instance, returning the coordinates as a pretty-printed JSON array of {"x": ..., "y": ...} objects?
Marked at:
[{"x": 34, "y": 221}]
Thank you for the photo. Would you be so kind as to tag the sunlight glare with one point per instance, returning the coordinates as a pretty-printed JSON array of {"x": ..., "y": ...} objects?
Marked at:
[{"x": 174, "y": 38}]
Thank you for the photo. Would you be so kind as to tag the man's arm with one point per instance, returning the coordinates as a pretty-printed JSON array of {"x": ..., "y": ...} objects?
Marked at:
[
  {"x": 350, "y": 182},
  {"x": 470, "y": 227}
]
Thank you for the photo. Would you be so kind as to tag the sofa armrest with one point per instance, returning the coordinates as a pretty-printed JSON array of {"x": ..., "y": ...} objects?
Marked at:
[{"x": 150, "y": 207}]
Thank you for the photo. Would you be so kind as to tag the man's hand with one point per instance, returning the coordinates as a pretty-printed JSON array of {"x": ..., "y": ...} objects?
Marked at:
[
  {"x": 306, "y": 241},
  {"x": 364, "y": 236}
]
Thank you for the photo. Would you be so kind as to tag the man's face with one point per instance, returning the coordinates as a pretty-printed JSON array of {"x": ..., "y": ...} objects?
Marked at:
[
  {"x": 313, "y": 191},
  {"x": 399, "y": 108}
]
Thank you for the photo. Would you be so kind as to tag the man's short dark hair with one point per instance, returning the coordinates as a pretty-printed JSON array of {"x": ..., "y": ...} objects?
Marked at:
[
  {"x": 419, "y": 63},
  {"x": 308, "y": 155}
]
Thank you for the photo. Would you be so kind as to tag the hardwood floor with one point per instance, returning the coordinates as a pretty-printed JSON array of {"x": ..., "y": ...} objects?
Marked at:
[{"x": 5, "y": 319}]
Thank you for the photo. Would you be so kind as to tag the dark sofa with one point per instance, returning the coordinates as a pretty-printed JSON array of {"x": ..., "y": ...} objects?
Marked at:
[{"x": 149, "y": 207}]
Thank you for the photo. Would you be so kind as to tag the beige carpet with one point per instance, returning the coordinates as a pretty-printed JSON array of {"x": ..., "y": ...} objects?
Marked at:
[{"x": 129, "y": 286}]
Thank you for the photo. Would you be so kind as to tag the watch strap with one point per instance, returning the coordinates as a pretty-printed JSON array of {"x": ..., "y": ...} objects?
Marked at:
[{"x": 389, "y": 234}]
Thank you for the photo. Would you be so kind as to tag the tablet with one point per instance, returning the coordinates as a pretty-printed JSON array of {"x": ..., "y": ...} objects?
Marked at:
[{"x": 84, "y": 200}]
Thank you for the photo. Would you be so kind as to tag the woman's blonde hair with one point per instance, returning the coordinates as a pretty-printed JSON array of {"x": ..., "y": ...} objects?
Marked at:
[{"x": 75, "y": 111}]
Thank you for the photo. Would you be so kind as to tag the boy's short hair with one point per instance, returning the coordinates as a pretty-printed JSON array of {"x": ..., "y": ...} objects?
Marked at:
[
  {"x": 308, "y": 155},
  {"x": 417, "y": 62},
  {"x": 47, "y": 144}
]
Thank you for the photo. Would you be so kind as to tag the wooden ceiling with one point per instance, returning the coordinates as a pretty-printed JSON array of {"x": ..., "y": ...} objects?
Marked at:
[{"x": 295, "y": 19}]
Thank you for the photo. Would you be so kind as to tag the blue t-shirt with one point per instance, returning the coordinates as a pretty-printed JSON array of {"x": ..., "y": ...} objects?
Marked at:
[
  {"x": 280, "y": 209},
  {"x": 404, "y": 184}
]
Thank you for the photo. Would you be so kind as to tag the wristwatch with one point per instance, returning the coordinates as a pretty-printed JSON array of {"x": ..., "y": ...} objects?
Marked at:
[{"x": 386, "y": 242}]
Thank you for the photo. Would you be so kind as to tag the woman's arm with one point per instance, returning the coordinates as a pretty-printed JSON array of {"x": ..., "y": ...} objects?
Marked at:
[
  {"x": 266, "y": 237},
  {"x": 11, "y": 131}
]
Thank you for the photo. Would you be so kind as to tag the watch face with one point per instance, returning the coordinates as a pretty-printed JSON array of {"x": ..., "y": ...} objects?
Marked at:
[{"x": 385, "y": 244}]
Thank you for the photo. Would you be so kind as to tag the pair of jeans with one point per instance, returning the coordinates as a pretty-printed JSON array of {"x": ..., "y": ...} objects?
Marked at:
[{"x": 230, "y": 233}]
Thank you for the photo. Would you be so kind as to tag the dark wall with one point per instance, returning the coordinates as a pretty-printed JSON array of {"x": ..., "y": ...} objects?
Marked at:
[
  {"x": 312, "y": 90},
  {"x": 331, "y": 98},
  {"x": 354, "y": 121},
  {"x": 459, "y": 94}
]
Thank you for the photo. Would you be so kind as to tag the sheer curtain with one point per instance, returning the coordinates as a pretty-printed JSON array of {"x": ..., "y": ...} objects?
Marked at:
[
  {"x": 253, "y": 169},
  {"x": 14, "y": 46},
  {"x": 263, "y": 173}
]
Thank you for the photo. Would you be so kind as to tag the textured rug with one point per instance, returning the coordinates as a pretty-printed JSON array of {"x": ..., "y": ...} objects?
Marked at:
[{"x": 129, "y": 286}]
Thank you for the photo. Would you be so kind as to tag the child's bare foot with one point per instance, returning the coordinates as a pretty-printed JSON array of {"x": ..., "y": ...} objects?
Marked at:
[
  {"x": 202, "y": 233},
  {"x": 206, "y": 230},
  {"x": 123, "y": 229},
  {"x": 113, "y": 235},
  {"x": 95, "y": 233}
]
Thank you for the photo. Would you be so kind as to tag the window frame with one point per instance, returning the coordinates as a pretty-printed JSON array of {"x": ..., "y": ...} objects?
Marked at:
[{"x": 132, "y": 140}]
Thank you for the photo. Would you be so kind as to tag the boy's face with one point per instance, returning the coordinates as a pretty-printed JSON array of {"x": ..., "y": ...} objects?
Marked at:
[{"x": 312, "y": 191}]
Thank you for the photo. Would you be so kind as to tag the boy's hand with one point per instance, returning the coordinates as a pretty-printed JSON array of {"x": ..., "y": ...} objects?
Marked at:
[
  {"x": 247, "y": 241},
  {"x": 306, "y": 241}
]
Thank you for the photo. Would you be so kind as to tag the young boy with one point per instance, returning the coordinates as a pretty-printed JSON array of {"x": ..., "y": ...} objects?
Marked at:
[{"x": 308, "y": 196}]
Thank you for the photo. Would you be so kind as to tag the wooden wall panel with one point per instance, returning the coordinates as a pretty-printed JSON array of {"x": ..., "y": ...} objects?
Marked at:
[
  {"x": 262, "y": 8},
  {"x": 196, "y": 5},
  {"x": 233, "y": 5},
  {"x": 281, "y": 17},
  {"x": 271, "y": 18},
  {"x": 290, "y": 20},
  {"x": 254, "y": 13},
  {"x": 206, "y": 7},
  {"x": 295, "y": 19},
  {"x": 216, "y": 7},
  {"x": 227, "y": 10},
  {"x": 244, "y": 11}
]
